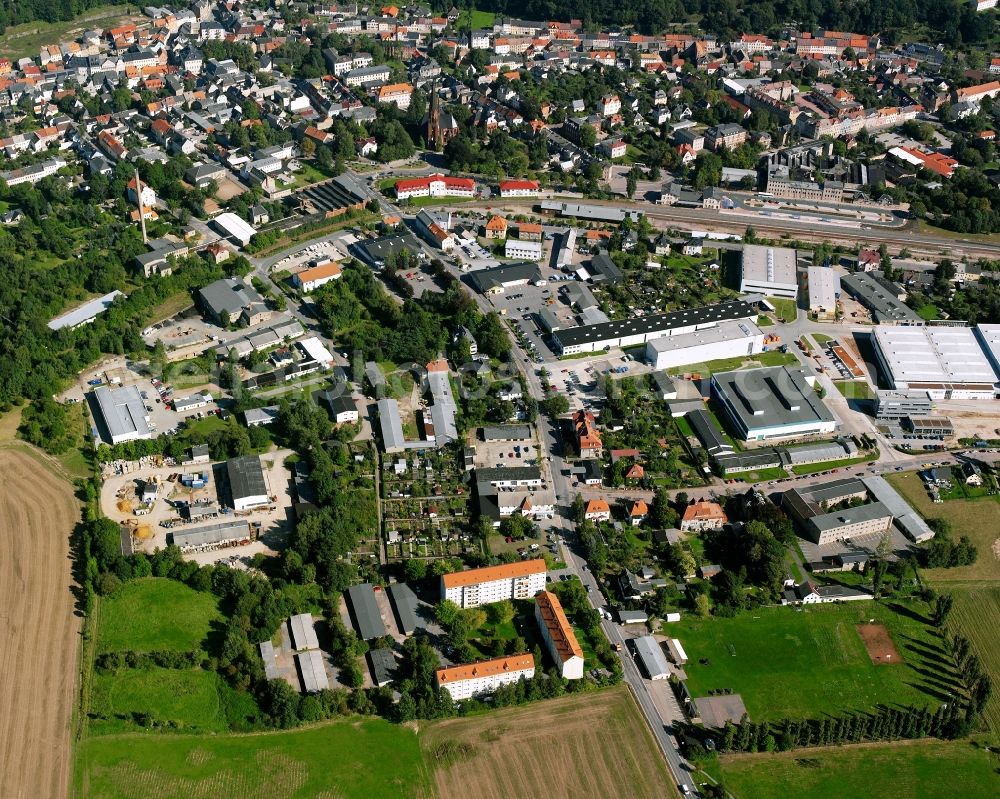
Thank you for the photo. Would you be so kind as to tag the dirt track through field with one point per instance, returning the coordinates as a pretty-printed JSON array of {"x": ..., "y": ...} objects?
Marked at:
[{"x": 38, "y": 628}]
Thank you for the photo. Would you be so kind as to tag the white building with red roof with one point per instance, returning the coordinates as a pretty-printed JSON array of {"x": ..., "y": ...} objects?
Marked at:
[{"x": 436, "y": 185}]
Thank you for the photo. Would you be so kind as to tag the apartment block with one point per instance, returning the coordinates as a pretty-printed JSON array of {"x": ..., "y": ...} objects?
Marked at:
[
  {"x": 475, "y": 587},
  {"x": 484, "y": 677}
]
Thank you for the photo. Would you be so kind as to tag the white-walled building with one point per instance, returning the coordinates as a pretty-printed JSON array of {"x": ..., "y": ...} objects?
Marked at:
[
  {"x": 728, "y": 339},
  {"x": 124, "y": 414},
  {"x": 946, "y": 362},
  {"x": 559, "y": 636},
  {"x": 314, "y": 277},
  {"x": 518, "y": 249},
  {"x": 824, "y": 286},
  {"x": 317, "y": 351},
  {"x": 519, "y": 188},
  {"x": 769, "y": 271},
  {"x": 484, "y": 677},
  {"x": 247, "y": 484},
  {"x": 771, "y": 403},
  {"x": 435, "y": 186},
  {"x": 474, "y": 587},
  {"x": 640, "y": 330}
]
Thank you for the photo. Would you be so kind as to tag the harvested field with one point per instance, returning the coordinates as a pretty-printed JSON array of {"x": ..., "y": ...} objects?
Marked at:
[
  {"x": 37, "y": 514},
  {"x": 593, "y": 744},
  {"x": 979, "y": 519},
  {"x": 879, "y": 644},
  {"x": 976, "y": 615}
]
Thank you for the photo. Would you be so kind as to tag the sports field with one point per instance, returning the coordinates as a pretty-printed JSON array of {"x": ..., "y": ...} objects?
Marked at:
[
  {"x": 979, "y": 519},
  {"x": 594, "y": 744},
  {"x": 805, "y": 664},
  {"x": 976, "y": 615},
  {"x": 41, "y": 628},
  {"x": 155, "y": 613},
  {"x": 926, "y": 769},
  {"x": 363, "y": 759}
]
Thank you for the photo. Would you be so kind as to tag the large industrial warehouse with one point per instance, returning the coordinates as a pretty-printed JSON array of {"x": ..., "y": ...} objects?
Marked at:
[
  {"x": 947, "y": 362},
  {"x": 769, "y": 271},
  {"x": 631, "y": 332},
  {"x": 121, "y": 413},
  {"x": 729, "y": 339},
  {"x": 770, "y": 403}
]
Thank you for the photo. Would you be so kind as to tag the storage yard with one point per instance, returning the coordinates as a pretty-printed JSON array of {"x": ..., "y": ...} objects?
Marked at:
[{"x": 192, "y": 507}]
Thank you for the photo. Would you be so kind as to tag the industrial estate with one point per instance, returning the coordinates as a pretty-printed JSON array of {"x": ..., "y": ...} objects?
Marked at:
[{"x": 615, "y": 397}]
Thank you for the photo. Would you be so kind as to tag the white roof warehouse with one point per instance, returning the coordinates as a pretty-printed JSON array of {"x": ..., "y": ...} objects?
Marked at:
[
  {"x": 629, "y": 332},
  {"x": 122, "y": 413}
]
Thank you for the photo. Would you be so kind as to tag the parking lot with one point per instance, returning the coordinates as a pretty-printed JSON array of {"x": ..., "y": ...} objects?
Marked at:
[{"x": 491, "y": 454}]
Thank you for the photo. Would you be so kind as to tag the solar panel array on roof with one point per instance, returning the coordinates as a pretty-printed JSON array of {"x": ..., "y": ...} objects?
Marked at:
[{"x": 332, "y": 196}]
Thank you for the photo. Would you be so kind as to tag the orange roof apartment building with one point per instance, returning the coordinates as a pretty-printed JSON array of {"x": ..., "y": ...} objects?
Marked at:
[
  {"x": 475, "y": 587},
  {"x": 559, "y": 636},
  {"x": 484, "y": 677}
]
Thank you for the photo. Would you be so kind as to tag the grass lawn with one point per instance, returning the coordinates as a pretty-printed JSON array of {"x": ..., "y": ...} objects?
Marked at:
[
  {"x": 188, "y": 697},
  {"x": 26, "y": 39},
  {"x": 764, "y": 321},
  {"x": 357, "y": 759},
  {"x": 976, "y": 615},
  {"x": 784, "y": 308},
  {"x": 758, "y": 475},
  {"x": 976, "y": 238},
  {"x": 729, "y": 364},
  {"x": 171, "y": 306},
  {"x": 786, "y": 663},
  {"x": 812, "y": 468},
  {"x": 476, "y": 20},
  {"x": 209, "y": 424},
  {"x": 979, "y": 519},
  {"x": 423, "y": 202},
  {"x": 821, "y": 338},
  {"x": 309, "y": 174},
  {"x": 855, "y": 389},
  {"x": 155, "y": 613},
  {"x": 925, "y": 769},
  {"x": 929, "y": 312}
]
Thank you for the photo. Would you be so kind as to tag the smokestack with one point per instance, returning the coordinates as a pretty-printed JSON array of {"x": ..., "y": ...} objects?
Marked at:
[{"x": 142, "y": 213}]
